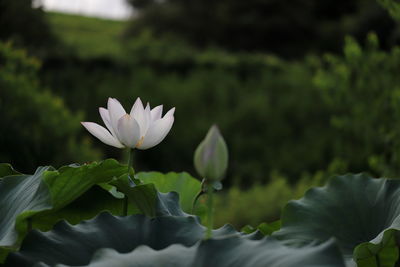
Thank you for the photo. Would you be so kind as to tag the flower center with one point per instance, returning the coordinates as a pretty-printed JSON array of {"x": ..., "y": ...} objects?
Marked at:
[{"x": 140, "y": 142}]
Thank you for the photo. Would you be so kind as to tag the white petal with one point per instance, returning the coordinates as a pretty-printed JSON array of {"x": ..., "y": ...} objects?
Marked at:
[
  {"x": 102, "y": 134},
  {"x": 105, "y": 115},
  {"x": 137, "y": 107},
  {"x": 170, "y": 113},
  {"x": 129, "y": 131},
  {"x": 116, "y": 111},
  {"x": 156, "y": 113},
  {"x": 141, "y": 115},
  {"x": 157, "y": 132},
  {"x": 147, "y": 121}
]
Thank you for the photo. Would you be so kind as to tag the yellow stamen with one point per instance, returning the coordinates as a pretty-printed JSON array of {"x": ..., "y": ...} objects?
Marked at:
[{"x": 140, "y": 142}]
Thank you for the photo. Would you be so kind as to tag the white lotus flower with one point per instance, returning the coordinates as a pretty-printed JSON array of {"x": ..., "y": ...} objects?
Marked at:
[{"x": 142, "y": 128}]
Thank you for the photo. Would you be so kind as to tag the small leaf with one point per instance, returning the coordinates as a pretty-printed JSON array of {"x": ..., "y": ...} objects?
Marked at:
[
  {"x": 264, "y": 228},
  {"x": 182, "y": 183},
  {"x": 269, "y": 228},
  {"x": 7, "y": 170},
  {"x": 112, "y": 190},
  {"x": 142, "y": 196},
  {"x": 248, "y": 229}
]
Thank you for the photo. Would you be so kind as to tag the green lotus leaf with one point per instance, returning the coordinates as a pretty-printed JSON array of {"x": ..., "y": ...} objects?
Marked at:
[
  {"x": 362, "y": 213},
  {"x": 75, "y": 245},
  {"x": 69, "y": 182},
  {"x": 226, "y": 252},
  {"x": 185, "y": 185},
  {"x": 25, "y": 199},
  {"x": 21, "y": 197},
  {"x": 87, "y": 206},
  {"x": 138, "y": 240},
  {"x": 146, "y": 197}
]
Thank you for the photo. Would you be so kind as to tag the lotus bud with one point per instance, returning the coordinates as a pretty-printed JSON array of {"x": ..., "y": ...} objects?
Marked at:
[{"x": 211, "y": 156}]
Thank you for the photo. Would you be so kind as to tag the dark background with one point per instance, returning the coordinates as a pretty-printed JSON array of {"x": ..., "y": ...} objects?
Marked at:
[{"x": 300, "y": 89}]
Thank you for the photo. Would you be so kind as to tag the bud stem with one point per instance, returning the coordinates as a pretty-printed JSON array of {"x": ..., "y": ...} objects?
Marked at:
[
  {"x": 198, "y": 195},
  {"x": 210, "y": 209}
]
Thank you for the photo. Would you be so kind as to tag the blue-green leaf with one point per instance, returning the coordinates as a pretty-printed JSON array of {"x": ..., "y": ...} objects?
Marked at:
[{"x": 362, "y": 213}]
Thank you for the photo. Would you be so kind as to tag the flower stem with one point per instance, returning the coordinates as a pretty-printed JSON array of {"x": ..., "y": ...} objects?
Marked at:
[
  {"x": 125, "y": 203},
  {"x": 198, "y": 195},
  {"x": 210, "y": 209},
  {"x": 130, "y": 160}
]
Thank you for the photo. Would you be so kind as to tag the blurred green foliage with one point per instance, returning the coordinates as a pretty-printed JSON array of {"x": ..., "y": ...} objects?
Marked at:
[
  {"x": 26, "y": 27},
  {"x": 289, "y": 29},
  {"x": 277, "y": 115},
  {"x": 88, "y": 37},
  {"x": 266, "y": 200},
  {"x": 393, "y": 6},
  {"x": 36, "y": 127},
  {"x": 260, "y": 102},
  {"x": 362, "y": 91},
  {"x": 287, "y": 123}
]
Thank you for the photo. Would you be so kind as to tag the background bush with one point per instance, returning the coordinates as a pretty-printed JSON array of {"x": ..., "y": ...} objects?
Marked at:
[
  {"x": 362, "y": 91},
  {"x": 27, "y": 27},
  {"x": 260, "y": 102},
  {"x": 267, "y": 200},
  {"x": 36, "y": 127},
  {"x": 277, "y": 115},
  {"x": 288, "y": 29}
]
